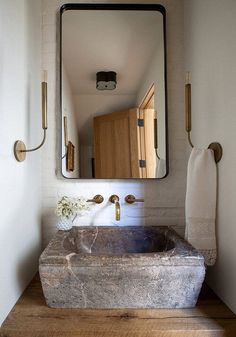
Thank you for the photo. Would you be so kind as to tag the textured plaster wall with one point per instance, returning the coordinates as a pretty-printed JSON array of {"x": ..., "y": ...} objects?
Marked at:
[
  {"x": 210, "y": 37},
  {"x": 164, "y": 199},
  {"x": 20, "y": 183}
]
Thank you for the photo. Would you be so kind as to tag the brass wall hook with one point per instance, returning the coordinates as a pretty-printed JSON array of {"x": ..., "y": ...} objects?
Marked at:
[
  {"x": 19, "y": 146},
  {"x": 215, "y": 146}
]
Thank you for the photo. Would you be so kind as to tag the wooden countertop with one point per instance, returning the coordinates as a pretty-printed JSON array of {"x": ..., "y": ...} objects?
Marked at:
[{"x": 30, "y": 317}]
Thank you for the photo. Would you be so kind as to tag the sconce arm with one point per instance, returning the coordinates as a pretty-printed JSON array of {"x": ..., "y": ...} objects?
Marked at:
[
  {"x": 20, "y": 149},
  {"x": 40, "y": 145}
]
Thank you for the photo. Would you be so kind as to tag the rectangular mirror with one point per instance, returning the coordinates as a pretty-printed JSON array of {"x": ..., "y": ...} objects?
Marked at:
[{"x": 113, "y": 91}]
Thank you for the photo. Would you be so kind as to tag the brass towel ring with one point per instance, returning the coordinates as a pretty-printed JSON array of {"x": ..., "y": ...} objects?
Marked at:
[{"x": 215, "y": 146}]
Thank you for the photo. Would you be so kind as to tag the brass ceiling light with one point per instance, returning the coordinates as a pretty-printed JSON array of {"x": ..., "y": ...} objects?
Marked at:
[{"x": 106, "y": 80}]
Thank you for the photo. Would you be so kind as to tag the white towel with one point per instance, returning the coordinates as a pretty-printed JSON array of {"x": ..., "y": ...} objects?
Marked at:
[
  {"x": 160, "y": 168},
  {"x": 200, "y": 205}
]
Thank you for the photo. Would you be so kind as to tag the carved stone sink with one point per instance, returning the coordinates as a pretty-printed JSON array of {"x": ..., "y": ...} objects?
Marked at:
[{"x": 121, "y": 267}]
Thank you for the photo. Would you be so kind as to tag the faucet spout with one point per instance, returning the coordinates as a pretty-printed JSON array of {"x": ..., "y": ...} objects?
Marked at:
[
  {"x": 117, "y": 206},
  {"x": 115, "y": 200}
]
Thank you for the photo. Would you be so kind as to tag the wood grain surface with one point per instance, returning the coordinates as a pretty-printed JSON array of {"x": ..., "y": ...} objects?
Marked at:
[{"x": 31, "y": 317}]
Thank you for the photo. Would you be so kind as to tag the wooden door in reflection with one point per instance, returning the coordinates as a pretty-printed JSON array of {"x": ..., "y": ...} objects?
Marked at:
[{"x": 117, "y": 145}]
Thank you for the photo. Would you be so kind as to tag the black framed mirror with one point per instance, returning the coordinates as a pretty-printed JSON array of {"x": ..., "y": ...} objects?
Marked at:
[{"x": 113, "y": 91}]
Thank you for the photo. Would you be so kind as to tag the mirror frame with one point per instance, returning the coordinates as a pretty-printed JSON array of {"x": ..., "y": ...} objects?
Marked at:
[{"x": 126, "y": 7}]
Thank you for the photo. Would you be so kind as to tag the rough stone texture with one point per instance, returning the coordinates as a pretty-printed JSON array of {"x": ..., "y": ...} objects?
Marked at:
[{"x": 121, "y": 267}]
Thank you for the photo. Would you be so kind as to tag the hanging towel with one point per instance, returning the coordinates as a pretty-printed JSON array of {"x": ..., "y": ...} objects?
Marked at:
[
  {"x": 200, "y": 205},
  {"x": 160, "y": 168}
]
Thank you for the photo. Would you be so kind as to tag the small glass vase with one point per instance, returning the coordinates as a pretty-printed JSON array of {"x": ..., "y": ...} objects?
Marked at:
[{"x": 65, "y": 224}]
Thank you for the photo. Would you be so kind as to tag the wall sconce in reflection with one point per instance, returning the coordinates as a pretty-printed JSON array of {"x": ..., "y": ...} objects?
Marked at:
[
  {"x": 19, "y": 146},
  {"x": 70, "y": 149},
  {"x": 70, "y": 157},
  {"x": 156, "y": 135},
  {"x": 65, "y": 136}
]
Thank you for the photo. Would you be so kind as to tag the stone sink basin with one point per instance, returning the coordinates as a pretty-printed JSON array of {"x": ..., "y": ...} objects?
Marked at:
[{"x": 121, "y": 267}]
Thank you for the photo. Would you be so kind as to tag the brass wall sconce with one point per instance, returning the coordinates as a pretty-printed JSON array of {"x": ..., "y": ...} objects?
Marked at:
[
  {"x": 19, "y": 146},
  {"x": 215, "y": 146}
]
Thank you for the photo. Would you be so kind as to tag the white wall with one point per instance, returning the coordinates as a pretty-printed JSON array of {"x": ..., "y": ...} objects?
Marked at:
[
  {"x": 155, "y": 75},
  {"x": 210, "y": 28},
  {"x": 68, "y": 109},
  {"x": 20, "y": 183},
  {"x": 162, "y": 205}
]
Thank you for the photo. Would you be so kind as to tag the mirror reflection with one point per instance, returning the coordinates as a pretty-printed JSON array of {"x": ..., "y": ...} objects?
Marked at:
[{"x": 113, "y": 94}]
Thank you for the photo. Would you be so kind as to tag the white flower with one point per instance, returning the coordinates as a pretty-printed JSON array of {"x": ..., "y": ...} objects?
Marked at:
[{"x": 69, "y": 207}]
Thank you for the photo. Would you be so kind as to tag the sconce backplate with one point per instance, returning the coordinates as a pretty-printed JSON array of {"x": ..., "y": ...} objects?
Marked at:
[{"x": 19, "y": 146}]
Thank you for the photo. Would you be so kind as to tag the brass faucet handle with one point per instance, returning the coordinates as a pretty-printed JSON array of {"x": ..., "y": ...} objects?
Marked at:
[
  {"x": 130, "y": 199},
  {"x": 114, "y": 198},
  {"x": 97, "y": 199}
]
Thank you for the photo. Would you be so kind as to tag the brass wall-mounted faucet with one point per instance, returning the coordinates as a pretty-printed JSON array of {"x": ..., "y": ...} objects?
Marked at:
[
  {"x": 97, "y": 199},
  {"x": 115, "y": 200},
  {"x": 130, "y": 199}
]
